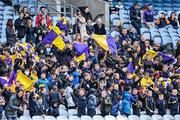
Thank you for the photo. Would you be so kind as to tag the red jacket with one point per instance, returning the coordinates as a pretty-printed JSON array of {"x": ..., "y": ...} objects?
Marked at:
[{"x": 39, "y": 18}]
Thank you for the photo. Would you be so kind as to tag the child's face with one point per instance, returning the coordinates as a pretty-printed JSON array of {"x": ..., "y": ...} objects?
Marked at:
[
  {"x": 81, "y": 92},
  {"x": 135, "y": 92},
  {"x": 40, "y": 101},
  {"x": 150, "y": 93},
  {"x": 103, "y": 94},
  {"x": 161, "y": 97},
  {"x": 174, "y": 92}
]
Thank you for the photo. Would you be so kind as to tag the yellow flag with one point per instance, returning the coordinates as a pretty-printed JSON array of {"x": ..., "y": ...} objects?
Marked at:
[
  {"x": 23, "y": 79},
  {"x": 101, "y": 41},
  {"x": 151, "y": 54},
  {"x": 81, "y": 57}
]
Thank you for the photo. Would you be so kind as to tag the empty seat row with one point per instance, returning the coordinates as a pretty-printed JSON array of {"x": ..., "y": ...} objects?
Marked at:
[{"x": 108, "y": 117}]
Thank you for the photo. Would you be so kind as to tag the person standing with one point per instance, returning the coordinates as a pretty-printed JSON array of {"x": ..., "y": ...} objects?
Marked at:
[
  {"x": 99, "y": 27},
  {"x": 43, "y": 15},
  {"x": 173, "y": 102},
  {"x": 135, "y": 17},
  {"x": 14, "y": 105},
  {"x": 19, "y": 25},
  {"x": 150, "y": 104},
  {"x": 161, "y": 105},
  {"x": 10, "y": 32}
]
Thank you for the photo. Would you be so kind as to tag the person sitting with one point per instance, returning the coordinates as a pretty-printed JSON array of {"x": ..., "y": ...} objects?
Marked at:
[
  {"x": 162, "y": 21},
  {"x": 149, "y": 17},
  {"x": 173, "y": 21}
]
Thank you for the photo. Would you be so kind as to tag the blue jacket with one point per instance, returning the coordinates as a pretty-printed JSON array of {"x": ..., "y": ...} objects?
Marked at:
[
  {"x": 76, "y": 78},
  {"x": 126, "y": 103},
  {"x": 116, "y": 107},
  {"x": 42, "y": 82}
]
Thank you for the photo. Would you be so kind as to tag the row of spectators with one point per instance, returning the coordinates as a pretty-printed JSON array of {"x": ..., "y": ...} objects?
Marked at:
[{"x": 102, "y": 81}]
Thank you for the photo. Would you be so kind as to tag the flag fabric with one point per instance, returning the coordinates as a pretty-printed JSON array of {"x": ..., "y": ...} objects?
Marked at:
[
  {"x": 131, "y": 68},
  {"x": 81, "y": 50},
  {"x": 62, "y": 24},
  {"x": 12, "y": 78},
  {"x": 107, "y": 42},
  {"x": 23, "y": 79},
  {"x": 53, "y": 37},
  {"x": 2, "y": 81},
  {"x": 164, "y": 82},
  {"x": 167, "y": 58},
  {"x": 150, "y": 53}
]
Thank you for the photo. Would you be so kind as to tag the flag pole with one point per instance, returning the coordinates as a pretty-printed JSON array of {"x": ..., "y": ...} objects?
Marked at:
[{"x": 37, "y": 46}]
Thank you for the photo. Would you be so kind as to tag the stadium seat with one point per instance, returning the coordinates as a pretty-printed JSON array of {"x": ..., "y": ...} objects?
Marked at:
[
  {"x": 172, "y": 30},
  {"x": 144, "y": 30},
  {"x": 157, "y": 117},
  {"x": 109, "y": 117},
  {"x": 37, "y": 118},
  {"x": 115, "y": 21},
  {"x": 120, "y": 117},
  {"x": 62, "y": 107},
  {"x": 157, "y": 39},
  {"x": 62, "y": 118},
  {"x": 63, "y": 112},
  {"x": 25, "y": 118},
  {"x": 49, "y": 118},
  {"x": 155, "y": 34},
  {"x": 174, "y": 41},
  {"x": 1, "y": 3},
  {"x": 177, "y": 117},
  {"x": 145, "y": 117},
  {"x": 153, "y": 30},
  {"x": 147, "y": 35},
  {"x": 166, "y": 40},
  {"x": 133, "y": 117},
  {"x": 98, "y": 117},
  {"x": 168, "y": 117},
  {"x": 85, "y": 117},
  {"x": 74, "y": 118},
  {"x": 72, "y": 112}
]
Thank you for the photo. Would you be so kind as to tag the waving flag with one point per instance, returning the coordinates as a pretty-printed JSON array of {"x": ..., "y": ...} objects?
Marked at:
[
  {"x": 53, "y": 37},
  {"x": 82, "y": 51},
  {"x": 130, "y": 67},
  {"x": 167, "y": 58},
  {"x": 106, "y": 42},
  {"x": 23, "y": 79},
  {"x": 150, "y": 53},
  {"x": 2, "y": 81},
  {"x": 62, "y": 24}
]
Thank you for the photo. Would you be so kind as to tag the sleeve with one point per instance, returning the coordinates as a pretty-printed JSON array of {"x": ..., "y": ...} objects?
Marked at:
[
  {"x": 37, "y": 21},
  {"x": 12, "y": 99},
  {"x": 132, "y": 15},
  {"x": 147, "y": 104}
]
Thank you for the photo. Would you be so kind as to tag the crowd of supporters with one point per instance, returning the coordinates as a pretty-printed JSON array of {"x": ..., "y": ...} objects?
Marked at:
[{"x": 103, "y": 81}]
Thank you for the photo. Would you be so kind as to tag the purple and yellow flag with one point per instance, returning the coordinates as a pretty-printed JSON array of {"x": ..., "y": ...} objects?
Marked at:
[
  {"x": 81, "y": 50},
  {"x": 106, "y": 42},
  {"x": 54, "y": 37},
  {"x": 62, "y": 24}
]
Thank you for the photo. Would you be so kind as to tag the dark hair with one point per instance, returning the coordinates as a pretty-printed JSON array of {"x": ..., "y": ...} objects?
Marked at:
[
  {"x": 136, "y": 3},
  {"x": 42, "y": 7},
  {"x": 9, "y": 23}
]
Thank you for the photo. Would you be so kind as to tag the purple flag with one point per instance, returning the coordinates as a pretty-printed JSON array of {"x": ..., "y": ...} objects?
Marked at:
[
  {"x": 130, "y": 68},
  {"x": 2, "y": 81},
  {"x": 81, "y": 48},
  {"x": 62, "y": 25},
  {"x": 111, "y": 44},
  {"x": 12, "y": 78}
]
